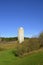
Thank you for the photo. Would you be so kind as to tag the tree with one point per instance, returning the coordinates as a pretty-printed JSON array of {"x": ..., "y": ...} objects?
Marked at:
[{"x": 41, "y": 39}]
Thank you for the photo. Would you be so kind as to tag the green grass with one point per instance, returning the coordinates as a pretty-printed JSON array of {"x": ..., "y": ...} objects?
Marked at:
[{"x": 7, "y": 58}]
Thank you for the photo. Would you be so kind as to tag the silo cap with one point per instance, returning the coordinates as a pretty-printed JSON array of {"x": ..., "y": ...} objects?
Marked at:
[{"x": 21, "y": 27}]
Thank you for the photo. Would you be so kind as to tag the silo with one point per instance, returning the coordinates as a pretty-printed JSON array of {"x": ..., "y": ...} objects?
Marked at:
[{"x": 20, "y": 34}]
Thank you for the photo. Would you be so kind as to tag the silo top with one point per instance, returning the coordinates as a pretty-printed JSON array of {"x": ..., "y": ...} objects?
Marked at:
[{"x": 21, "y": 28}]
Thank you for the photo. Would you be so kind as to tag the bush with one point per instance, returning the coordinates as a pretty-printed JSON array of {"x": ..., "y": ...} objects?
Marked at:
[
  {"x": 18, "y": 52},
  {"x": 34, "y": 44},
  {"x": 27, "y": 46},
  {"x": 41, "y": 39}
]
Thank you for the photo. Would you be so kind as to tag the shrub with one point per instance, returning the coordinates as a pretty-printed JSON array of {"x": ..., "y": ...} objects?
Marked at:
[
  {"x": 34, "y": 44},
  {"x": 41, "y": 39},
  {"x": 27, "y": 46},
  {"x": 18, "y": 52}
]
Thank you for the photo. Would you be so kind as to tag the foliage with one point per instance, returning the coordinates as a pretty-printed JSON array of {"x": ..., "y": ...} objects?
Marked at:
[
  {"x": 9, "y": 39},
  {"x": 27, "y": 46},
  {"x": 34, "y": 44},
  {"x": 41, "y": 39}
]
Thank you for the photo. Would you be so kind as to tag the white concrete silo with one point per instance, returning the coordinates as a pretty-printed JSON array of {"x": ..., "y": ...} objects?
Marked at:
[{"x": 20, "y": 34}]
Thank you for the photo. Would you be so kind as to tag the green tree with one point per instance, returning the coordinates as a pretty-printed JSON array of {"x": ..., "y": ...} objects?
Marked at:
[{"x": 41, "y": 39}]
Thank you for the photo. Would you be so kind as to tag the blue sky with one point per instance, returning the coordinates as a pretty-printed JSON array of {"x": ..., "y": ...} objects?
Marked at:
[{"x": 21, "y": 13}]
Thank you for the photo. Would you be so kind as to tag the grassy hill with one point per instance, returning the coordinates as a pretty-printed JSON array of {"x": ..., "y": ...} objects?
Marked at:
[
  {"x": 34, "y": 58},
  {"x": 33, "y": 47}
]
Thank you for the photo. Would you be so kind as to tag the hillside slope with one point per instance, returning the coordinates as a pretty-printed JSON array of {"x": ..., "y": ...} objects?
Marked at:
[{"x": 34, "y": 58}]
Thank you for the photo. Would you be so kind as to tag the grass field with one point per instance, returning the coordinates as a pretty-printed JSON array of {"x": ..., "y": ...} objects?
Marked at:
[
  {"x": 7, "y": 58},
  {"x": 8, "y": 45}
]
